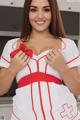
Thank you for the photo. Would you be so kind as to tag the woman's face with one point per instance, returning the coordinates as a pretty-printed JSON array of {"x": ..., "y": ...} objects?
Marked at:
[{"x": 40, "y": 15}]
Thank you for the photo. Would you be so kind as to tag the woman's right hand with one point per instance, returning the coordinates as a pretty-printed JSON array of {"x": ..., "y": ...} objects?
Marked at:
[{"x": 19, "y": 61}]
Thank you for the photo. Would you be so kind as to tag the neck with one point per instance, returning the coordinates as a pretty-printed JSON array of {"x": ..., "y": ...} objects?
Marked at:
[{"x": 35, "y": 35}]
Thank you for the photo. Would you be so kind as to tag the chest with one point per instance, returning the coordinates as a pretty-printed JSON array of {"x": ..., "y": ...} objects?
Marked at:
[{"x": 42, "y": 47}]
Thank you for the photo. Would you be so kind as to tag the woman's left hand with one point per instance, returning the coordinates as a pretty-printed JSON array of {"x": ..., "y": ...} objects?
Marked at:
[{"x": 56, "y": 60}]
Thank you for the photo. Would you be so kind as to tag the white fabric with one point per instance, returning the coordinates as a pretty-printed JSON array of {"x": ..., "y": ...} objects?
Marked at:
[
  {"x": 71, "y": 53},
  {"x": 27, "y": 102},
  {"x": 5, "y": 57}
]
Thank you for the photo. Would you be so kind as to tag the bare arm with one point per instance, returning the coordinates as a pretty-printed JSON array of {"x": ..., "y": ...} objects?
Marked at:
[
  {"x": 71, "y": 79},
  {"x": 6, "y": 78},
  {"x": 70, "y": 76},
  {"x": 7, "y": 75}
]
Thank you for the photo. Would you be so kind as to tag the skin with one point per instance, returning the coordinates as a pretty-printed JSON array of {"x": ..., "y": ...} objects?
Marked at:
[
  {"x": 54, "y": 58},
  {"x": 40, "y": 15},
  {"x": 41, "y": 40}
]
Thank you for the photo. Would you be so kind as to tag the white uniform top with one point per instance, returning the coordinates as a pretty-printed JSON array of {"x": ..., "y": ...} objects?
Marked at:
[{"x": 39, "y": 99}]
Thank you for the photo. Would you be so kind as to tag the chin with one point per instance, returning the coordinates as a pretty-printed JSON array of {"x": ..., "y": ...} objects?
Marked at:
[{"x": 38, "y": 29}]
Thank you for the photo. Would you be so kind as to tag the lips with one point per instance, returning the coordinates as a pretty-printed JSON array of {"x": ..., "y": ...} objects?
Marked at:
[{"x": 40, "y": 22}]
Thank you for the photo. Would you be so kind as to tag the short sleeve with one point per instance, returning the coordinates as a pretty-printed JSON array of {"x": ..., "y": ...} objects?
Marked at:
[
  {"x": 72, "y": 55},
  {"x": 5, "y": 56}
]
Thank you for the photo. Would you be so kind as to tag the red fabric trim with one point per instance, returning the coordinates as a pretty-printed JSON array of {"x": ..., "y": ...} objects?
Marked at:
[
  {"x": 50, "y": 101},
  {"x": 41, "y": 101},
  {"x": 29, "y": 68},
  {"x": 36, "y": 77},
  {"x": 33, "y": 103},
  {"x": 67, "y": 111},
  {"x": 37, "y": 66},
  {"x": 5, "y": 59},
  {"x": 73, "y": 115},
  {"x": 42, "y": 57},
  {"x": 38, "y": 58},
  {"x": 46, "y": 67},
  {"x": 72, "y": 59},
  {"x": 32, "y": 96}
]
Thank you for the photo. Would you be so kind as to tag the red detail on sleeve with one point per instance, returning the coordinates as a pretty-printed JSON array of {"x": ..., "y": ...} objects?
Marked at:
[{"x": 73, "y": 59}]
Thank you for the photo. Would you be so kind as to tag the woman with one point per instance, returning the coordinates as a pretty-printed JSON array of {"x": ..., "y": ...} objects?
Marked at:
[{"x": 45, "y": 65}]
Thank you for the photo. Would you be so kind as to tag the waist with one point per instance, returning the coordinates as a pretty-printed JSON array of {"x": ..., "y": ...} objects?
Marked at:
[{"x": 38, "y": 77}]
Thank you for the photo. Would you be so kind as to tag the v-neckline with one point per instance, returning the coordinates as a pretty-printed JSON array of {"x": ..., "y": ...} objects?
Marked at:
[
  {"x": 41, "y": 54},
  {"x": 35, "y": 56}
]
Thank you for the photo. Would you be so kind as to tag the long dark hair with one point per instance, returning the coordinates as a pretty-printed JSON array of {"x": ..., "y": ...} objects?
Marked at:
[{"x": 56, "y": 27}]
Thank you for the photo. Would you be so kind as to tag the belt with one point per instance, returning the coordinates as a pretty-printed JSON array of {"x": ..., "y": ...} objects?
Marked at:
[{"x": 38, "y": 77}]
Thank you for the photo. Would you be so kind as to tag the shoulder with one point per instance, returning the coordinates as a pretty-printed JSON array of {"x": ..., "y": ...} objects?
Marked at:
[
  {"x": 68, "y": 43},
  {"x": 13, "y": 41},
  {"x": 11, "y": 44},
  {"x": 69, "y": 48}
]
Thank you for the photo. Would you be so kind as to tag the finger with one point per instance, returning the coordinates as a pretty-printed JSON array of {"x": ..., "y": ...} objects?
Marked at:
[
  {"x": 25, "y": 58},
  {"x": 49, "y": 57},
  {"x": 23, "y": 55},
  {"x": 56, "y": 52},
  {"x": 52, "y": 54},
  {"x": 16, "y": 57},
  {"x": 47, "y": 60},
  {"x": 19, "y": 53},
  {"x": 26, "y": 62},
  {"x": 28, "y": 59}
]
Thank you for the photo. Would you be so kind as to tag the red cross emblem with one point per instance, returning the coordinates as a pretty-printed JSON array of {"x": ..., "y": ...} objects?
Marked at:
[{"x": 67, "y": 111}]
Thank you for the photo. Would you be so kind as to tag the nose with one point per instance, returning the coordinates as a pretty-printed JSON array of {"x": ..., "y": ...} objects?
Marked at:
[{"x": 40, "y": 14}]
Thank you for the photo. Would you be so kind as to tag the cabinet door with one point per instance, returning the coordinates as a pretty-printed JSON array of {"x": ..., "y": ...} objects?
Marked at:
[
  {"x": 5, "y": 111},
  {"x": 15, "y": 3}
]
